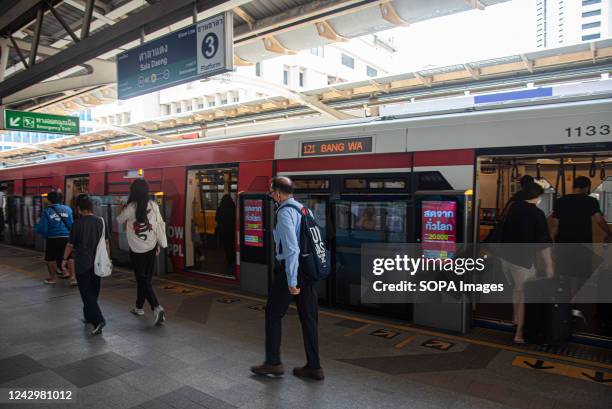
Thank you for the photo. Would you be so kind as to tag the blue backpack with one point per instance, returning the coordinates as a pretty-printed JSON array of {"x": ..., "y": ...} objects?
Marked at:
[{"x": 315, "y": 258}]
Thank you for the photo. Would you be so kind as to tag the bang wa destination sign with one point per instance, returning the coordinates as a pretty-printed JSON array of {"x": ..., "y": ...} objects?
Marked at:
[{"x": 198, "y": 51}]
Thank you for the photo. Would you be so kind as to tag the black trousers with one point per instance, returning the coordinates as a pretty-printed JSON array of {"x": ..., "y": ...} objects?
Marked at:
[
  {"x": 144, "y": 264},
  {"x": 89, "y": 288},
  {"x": 308, "y": 311}
]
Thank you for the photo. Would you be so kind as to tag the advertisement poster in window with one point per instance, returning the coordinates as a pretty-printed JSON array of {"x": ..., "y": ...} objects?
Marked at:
[
  {"x": 439, "y": 221},
  {"x": 253, "y": 223}
]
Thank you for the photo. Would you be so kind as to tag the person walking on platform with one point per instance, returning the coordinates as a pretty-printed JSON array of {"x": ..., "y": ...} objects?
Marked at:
[
  {"x": 55, "y": 224},
  {"x": 286, "y": 286},
  {"x": 571, "y": 220},
  {"x": 143, "y": 220},
  {"x": 525, "y": 223},
  {"x": 83, "y": 242}
]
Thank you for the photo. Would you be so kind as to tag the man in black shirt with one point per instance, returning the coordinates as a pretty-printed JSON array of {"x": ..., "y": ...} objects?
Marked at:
[
  {"x": 85, "y": 235},
  {"x": 571, "y": 218}
]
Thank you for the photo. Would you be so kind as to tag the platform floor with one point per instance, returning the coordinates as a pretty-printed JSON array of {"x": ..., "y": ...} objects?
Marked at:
[{"x": 201, "y": 357}]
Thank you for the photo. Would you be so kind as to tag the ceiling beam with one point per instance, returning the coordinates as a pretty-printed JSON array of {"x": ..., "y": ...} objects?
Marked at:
[
  {"x": 593, "y": 48},
  {"x": 267, "y": 87},
  {"x": 152, "y": 18},
  {"x": 474, "y": 72},
  {"x": 132, "y": 130},
  {"x": 389, "y": 13},
  {"x": 527, "y": 63},
  {"x": 239, "y": 11},
  {"x": 79, "y": 5},
  {"x": 475, "y": 4},
  {"x": 425, "y": 80},
  {"x": 240, "y": 62},
  {"x": 274, "y": 46},
  {"x": 325, "y": 30}
]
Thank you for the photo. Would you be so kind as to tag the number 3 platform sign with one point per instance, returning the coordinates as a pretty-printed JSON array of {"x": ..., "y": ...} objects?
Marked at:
[{"x": 197, "y": 51}]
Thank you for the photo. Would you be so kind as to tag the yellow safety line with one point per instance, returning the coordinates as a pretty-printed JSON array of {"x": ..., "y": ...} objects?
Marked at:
[
  {"x": 405, "y": 342},
  {"x": 457, "y": 338},
  {"x": 355, "y": 331}
]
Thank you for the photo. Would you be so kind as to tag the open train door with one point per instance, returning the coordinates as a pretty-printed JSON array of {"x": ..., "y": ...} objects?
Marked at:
[
  {"x": 256, "y": 242},
  {"x": 451, "y": 208}
]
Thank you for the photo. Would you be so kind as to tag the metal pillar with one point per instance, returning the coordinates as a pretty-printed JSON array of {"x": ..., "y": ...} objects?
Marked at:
[
  {"x": 89, "y": 8},
  {"x": 4, "y": 54},
  {"x": 40, "y": 13}
]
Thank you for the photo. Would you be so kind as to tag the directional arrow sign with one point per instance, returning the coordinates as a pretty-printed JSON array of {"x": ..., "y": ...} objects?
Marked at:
[
  {"x": 384, "y": 333},
  {"x": 539, "y": 364},
  {"x": 557, "y": 368},
  {"x": 39, "y": 122},
  {"x": 438, "y": 344},
  {"x": 599, "y": 377}
]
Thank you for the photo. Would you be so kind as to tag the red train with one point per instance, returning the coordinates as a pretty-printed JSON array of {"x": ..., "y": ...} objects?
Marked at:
[{"x": 365, "y": 180}]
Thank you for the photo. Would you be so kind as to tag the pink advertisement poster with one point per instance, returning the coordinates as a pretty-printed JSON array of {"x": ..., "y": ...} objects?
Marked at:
[
  {"x": 439, "y": 226},
  {"x": 253, "y": 223}
]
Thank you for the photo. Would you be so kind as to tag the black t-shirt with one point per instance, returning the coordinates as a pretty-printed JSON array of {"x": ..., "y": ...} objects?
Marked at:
[
  {"x": 524, "y": 223},
  {"x": 574, "y": 212},
  {"x": 84, "y": 236}
]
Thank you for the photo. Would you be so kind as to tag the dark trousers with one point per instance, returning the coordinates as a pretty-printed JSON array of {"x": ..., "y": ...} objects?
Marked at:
[
  {"x": 144, "y": 264},
  {"x": 308, "y": 310},
  {"x": 89, "y": 288}
]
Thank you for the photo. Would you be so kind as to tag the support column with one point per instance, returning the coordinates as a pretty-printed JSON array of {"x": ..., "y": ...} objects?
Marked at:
[{"x": 4, "y": 54}]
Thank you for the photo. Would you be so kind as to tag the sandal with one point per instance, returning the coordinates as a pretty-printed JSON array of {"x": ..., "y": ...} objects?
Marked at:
[
  {"x": 49, "y": 282},
  {"x": 519, "y": 341},
  {"x": 73, "y": 283}
]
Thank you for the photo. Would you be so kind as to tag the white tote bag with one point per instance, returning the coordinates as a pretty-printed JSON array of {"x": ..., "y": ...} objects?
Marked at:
[
  {"x": 103, "y": 266},
  {"x": 160, "y": 229}
]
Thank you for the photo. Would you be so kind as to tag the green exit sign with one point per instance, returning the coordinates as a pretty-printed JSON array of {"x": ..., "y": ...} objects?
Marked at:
[{"x": 39, "y": 122}]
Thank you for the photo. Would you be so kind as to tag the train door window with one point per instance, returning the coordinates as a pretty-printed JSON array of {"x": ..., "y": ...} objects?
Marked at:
[
  {"x": 359, "y": 222},
  {"x": 211, "y": 220},
  {"x": 75, "y": 185}
]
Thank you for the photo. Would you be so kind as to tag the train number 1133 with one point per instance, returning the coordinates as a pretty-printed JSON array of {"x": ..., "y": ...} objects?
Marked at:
[{"x": 590, "y": 130}]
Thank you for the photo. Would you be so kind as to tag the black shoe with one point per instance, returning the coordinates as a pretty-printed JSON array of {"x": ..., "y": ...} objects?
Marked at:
[
  {"x": 306, "y": 372},
  {"x": 267, "y": 369},
  {"x": 98, "y": 328}
]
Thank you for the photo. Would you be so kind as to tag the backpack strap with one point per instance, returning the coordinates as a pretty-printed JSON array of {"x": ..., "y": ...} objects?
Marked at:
[
  {"x": 52, "y": 207},
  {"x": 293, "y": 206}
]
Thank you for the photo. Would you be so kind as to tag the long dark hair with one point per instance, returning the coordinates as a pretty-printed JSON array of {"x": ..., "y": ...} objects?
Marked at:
[{"x": 139, "y": 194}]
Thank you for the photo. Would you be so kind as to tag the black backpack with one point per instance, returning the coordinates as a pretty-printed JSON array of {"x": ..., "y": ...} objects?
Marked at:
[{"x": 315, "y": 258}]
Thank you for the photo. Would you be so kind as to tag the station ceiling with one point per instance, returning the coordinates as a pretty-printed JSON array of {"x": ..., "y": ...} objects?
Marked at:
[{"x": 262, "y": 29}]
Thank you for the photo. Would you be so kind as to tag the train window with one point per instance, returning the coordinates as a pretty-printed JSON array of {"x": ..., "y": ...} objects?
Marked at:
[
  {"x": 432, "y": 181},
  {"x": 311, "y": 184},
  {"x": 374, "y": 183},
  {"x": 395, "y": 184},
  {"x": 355, "y": 183}
]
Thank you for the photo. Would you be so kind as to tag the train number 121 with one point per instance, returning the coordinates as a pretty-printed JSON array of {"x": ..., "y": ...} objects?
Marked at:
[{"x": 590, "y": 130}]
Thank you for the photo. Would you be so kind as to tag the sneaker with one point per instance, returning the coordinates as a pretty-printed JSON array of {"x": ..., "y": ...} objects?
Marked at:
[
  {"x": 306, "y": 372},
  {"x": 267, "y": 369},
  {"x": 98, "y": 328},
  {"x": 49, "y": 282},
  {"x": 137, "y": 311},
  {"x": 159, "y": 315}
]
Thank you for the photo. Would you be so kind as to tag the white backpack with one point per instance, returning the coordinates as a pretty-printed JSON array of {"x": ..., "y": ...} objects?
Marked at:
[{"x": 103, "y": 266}]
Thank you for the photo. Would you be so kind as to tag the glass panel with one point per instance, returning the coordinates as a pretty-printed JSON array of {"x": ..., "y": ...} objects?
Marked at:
[
  {"x": 311, "y": 184},
  {"x": 357, "y": 223},
  {"x": 355, "y": 183}
]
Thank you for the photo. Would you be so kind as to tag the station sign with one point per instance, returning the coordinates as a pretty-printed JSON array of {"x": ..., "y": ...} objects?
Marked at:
[
  {"x": 198, "y": 51},
  {"x": 39, "y": 122},
  {"x": 337, "y": 146}
]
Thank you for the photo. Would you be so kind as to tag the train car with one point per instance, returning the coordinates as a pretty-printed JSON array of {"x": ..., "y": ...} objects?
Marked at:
[{"x": 367, "y": 181}]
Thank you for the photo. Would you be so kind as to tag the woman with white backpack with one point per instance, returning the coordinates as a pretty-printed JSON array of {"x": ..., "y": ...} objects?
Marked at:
[
  {"x": 146, "y": 233},
  {"x": 90, "y": 259}
]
